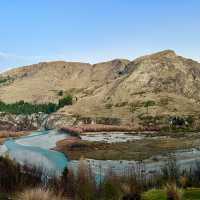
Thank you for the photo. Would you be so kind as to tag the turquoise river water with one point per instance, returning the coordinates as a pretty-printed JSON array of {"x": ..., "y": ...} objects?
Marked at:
[{"x": 36, "y": 150}]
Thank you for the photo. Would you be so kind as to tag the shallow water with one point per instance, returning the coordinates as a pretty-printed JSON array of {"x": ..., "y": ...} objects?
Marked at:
[
  {"x": 111, "y": 137},
  {"x": 42, "y": 139},
  {"x": 51, "y": 162},
  {"x": 35, "y": 150}
]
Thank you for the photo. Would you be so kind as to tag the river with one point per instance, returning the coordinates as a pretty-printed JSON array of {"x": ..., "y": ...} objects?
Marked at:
[{"x": 35, "y": 150}]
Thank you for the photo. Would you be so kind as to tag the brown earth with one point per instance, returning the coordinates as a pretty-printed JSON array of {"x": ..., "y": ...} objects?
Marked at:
[{"x": 11, "y": 134}]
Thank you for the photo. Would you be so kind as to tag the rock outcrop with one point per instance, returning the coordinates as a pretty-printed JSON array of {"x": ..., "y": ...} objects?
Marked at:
[{"x": 12, "y": 122}]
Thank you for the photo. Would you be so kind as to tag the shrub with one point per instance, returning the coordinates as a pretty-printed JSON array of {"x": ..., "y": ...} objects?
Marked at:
[
  {"x": 170, "y": 171},
  {"x": 60, "y": 93},
  {"x": 68, "y": 182},
  {"x": 14, "y": 177},
  {"x": 111, "y": 188},
  {"x": 9, "y": 174},
  {"x": 67, "y": 100},
  {"x": 85, "y": 182},
  {"x": 134, "y": 182},
  {"x": 183, "y": 181},
  {"x": 6, "y": 79},
  {"x": 149, "y": 103},
  {"x": 108, "y": 105}
]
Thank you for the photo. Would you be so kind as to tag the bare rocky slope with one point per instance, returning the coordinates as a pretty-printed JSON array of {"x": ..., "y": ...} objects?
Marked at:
[{"x": 117, "y": 91}]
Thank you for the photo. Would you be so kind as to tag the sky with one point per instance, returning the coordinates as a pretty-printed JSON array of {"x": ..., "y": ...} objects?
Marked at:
[{"x": 95, "y": 30}]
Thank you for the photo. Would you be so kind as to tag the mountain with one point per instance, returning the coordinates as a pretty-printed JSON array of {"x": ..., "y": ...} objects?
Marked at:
[{"x": 118, "y": 89}]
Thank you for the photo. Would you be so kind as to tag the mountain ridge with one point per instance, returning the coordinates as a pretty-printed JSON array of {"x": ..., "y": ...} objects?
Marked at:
[{"x": 108, "y": 89}]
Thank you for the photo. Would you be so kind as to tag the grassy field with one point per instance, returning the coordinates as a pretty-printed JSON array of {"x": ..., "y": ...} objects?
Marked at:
[{"x": 189, "y": 194}]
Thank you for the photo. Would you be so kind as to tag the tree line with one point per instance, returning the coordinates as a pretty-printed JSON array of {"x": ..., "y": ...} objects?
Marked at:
[{"x": 22, "y": 107}]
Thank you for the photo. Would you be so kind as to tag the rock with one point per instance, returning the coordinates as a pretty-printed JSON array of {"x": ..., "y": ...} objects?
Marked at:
[
  {"x": 56, "y": 121},
  {"x": 21, "y": 122}
]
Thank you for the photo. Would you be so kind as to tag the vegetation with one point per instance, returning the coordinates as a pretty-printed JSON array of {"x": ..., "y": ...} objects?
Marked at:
[
  {"x": 14, "y": 177},
  {"x": 67, "y": 100},
  {"x": 149, "y": 103},
  {"x": 133, "y": 109},
  {"x": 22, "y": 107},
  {"x": 154, "y": 194},
  {"x": 95, "y": 128},
  {"x": 160, "y": 194},
  {"x": 5, "y": 79},
  {"x": 37, "y": 194},
  {"x": 173, "y": 192},
  {"x": 23, "y": 183},
  {"x": 60, "y": 93}
]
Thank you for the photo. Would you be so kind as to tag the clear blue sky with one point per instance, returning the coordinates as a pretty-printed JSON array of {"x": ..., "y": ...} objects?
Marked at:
[{"x": 95, "y": 30}]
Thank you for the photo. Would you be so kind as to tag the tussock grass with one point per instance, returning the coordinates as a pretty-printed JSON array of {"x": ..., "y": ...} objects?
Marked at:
[
  {"x": 38, "y": 194},
  {"x": 82, "y": 183},
  {"x": 173, "y": 192}
]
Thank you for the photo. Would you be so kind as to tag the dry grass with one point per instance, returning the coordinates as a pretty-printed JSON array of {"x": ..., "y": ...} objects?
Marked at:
[
  {"x": 173, "y": 192},
  {"x": 38, "y": 194},
  {"x": 183, "y": 181},
  {"x": 96, "y": 128},
  {"x": 107, "y": 128}
]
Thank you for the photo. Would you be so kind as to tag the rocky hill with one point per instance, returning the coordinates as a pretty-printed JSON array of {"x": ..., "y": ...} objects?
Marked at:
[{"x": 155, "y": 86}]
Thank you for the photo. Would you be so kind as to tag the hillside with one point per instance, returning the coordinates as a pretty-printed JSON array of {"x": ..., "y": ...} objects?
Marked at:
[{"x": 114, "y": 89}]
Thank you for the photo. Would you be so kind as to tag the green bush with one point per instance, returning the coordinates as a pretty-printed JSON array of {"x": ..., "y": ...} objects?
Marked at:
[
  {"x": 67, "y": 100},
  {"x": 149, "y": 103},
  {"x": 22, "y": 107},
  {"x": 111, "y": 189},
  {"x": 5, "y": 79},
  {"x": 60, "y": 93}
]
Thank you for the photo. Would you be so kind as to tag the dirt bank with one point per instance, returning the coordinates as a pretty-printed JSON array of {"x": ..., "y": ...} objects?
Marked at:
[{"x": 11, "y": 134}]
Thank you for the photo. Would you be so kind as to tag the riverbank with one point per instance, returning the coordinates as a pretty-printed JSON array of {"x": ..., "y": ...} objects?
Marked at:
[
  {"x": 143, "y": 145},
  {"x": 12, "y": 134},
  {"x": 115, "y": 151}
]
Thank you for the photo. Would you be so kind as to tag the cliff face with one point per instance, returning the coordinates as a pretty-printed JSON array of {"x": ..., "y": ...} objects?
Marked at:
[
  {"x": 12, "y": 122},
  {"x": 115, "y": 89}
]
